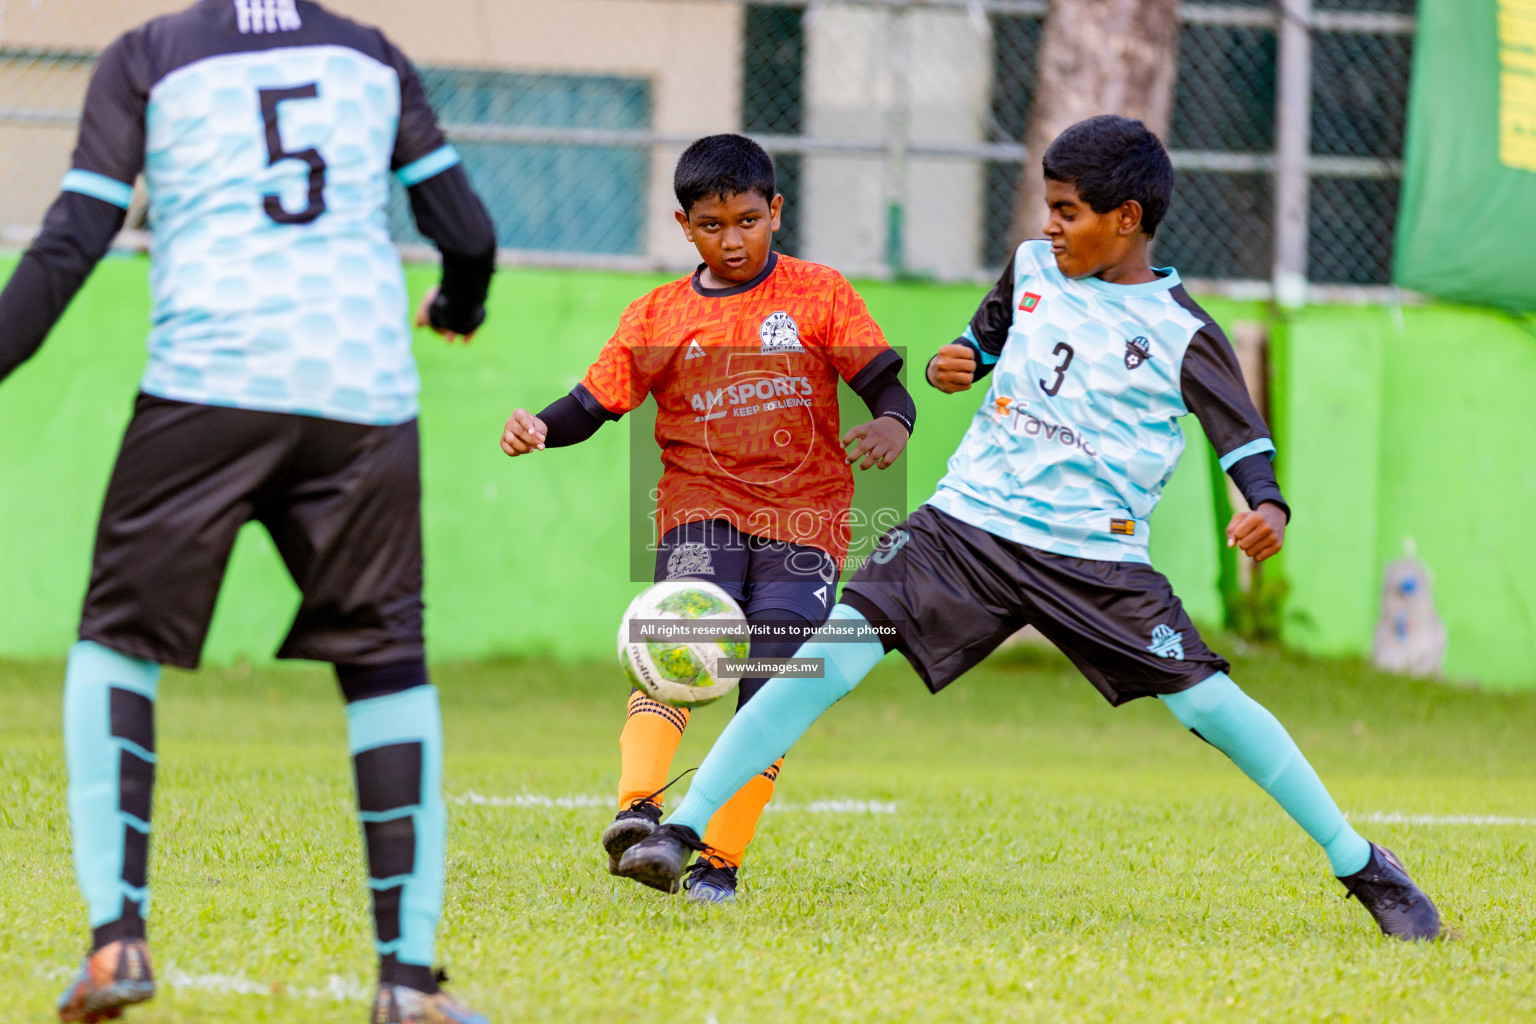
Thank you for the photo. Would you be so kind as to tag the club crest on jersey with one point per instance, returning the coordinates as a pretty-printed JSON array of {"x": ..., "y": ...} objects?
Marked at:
[
  {"x": 690, "y": 559},
  {"x": 1137, "y": 351},
  {"x": 1028, "y": 303},
  {"x": 780, "y": 333},
  {"x": 1167, "y": 643}
]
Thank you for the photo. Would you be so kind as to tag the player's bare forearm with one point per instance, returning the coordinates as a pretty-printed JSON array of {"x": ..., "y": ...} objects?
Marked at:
[
  {"x": 880, "y": 442},
  {"x": 952, "y": 369},
  {"x": 523, "y": 433},
  {"x": 1260, "y": 533}
]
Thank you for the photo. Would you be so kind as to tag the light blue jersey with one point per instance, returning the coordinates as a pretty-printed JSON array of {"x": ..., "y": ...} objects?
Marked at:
[
  {"x": 267, "y": 133},
  {"x": 1079, "y": 431}
]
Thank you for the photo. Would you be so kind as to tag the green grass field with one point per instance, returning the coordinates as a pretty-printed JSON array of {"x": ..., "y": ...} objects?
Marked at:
[{"x": 1009, "y": 850}]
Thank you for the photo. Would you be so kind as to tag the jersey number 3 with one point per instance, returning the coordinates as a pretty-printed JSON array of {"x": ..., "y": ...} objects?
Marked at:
[
  {"x": 1065, "y": 351},
  {"x": 273, "y": 204}
]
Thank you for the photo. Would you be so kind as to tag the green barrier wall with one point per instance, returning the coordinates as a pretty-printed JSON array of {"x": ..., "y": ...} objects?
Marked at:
[
  {"x": 1415, "y": 424},
  {"x": 530, "y": 556}
]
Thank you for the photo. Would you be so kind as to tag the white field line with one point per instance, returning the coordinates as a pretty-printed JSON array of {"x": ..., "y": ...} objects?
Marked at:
[
  {"x": 335, "y": 990},
  {"x": 580, "y": 800},
  {"x": 473, "y": 799},
  {"x": 1394, "y": 818},
  {"x": 840, "y": 806}
]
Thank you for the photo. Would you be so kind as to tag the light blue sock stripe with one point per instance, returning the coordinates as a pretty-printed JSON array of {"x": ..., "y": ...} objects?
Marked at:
[
  {"x": 98, "y": 186},
  {"x": 412, "y": 717},
  {"x": 429, "y": 166},
  {"x": 774, "y": 719},
  {"x": 1254, "y": 739},
  {"x": 96, "y": 822}
]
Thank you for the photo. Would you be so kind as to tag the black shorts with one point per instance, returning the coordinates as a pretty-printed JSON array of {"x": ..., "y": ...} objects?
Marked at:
[
  {"x": 955, "y": 592},
  {"x": 342, "y": 502},
  {"x": 761, "y": 574}
]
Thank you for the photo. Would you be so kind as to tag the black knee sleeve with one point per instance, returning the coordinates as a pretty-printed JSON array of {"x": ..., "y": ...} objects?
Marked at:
[{"x": 363, "y": 682}]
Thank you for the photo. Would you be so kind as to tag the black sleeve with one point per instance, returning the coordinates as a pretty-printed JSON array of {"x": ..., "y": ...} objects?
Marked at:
[
  {"x": 1254, "y": 476},
  {"x": 1214, "y": 390},
  {"x": 80, "y": 225},
  {"x": 445, "y": 205},
  {"x": 879, "y": 385},
  {"x": 569, "y": 421},
  {"x": 448, "y": 212},
  {"x": 989, "y": 326}
]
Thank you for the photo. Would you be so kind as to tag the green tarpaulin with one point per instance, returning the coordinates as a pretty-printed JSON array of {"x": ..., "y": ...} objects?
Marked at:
[{"x": 1467, "y": 227}]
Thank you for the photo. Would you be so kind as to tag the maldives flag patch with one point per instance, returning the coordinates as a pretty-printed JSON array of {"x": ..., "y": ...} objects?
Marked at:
[{"x": 1029, "y": 302}]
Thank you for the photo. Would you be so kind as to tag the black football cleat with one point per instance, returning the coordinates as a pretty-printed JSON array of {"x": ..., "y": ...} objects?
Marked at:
[
  {"x": 632, "y": 824},
  {"x": 1399, "y": 906},
  {"x": 658, "y": 859},
  {"x": 708, "y": 880},
  {"x": 116, "y": 975}
]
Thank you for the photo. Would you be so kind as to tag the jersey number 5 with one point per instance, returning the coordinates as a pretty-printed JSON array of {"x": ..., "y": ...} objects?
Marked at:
[
  {"x": 273, "y": 204},
  {"x": 1061, "y": 368}
]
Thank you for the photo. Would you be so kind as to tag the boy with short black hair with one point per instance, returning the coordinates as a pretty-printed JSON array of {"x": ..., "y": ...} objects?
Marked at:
[
  {"x": 743, "y": 357},
  {"x": 1042, "y": 519}
]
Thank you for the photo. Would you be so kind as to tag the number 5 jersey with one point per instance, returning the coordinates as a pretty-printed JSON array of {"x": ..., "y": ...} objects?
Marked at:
[
  {"x": 1079, "y": 429},
  {"x": 266, "y": 131}
]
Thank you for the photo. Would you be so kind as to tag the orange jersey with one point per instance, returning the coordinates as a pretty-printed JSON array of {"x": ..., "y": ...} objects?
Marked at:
[{"x": 745, "y": 381}]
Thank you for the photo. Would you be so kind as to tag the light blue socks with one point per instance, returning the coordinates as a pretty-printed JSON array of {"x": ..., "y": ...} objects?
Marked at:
[
  {"x": 1241, "y": 728},
  {"x": 397, "y": 756},
  {"x": 776, "y": 717},
  {"x": 109, "y": 744}
]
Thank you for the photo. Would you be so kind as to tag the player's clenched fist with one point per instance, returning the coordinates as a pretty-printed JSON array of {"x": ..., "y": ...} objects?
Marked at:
[
  {"x": 524, "y": 433},
  {"x": 953, "y": 369},
  {"x": 1259, "y": 533}
]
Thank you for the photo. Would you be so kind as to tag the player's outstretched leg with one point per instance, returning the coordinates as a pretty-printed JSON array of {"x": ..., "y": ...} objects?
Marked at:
[
  {"x": 646, "y": 748},
  {"x": 713, "y": 877},
  {"x": 395, "y": 735},
  {"x": 759, "y": 734},
  {"x": 1219, "y": 712},
  {"x": 109, "y": 742}
]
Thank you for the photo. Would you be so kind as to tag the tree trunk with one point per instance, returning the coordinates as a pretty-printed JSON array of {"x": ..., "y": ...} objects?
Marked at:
[{"x": 1096, "y": 57}]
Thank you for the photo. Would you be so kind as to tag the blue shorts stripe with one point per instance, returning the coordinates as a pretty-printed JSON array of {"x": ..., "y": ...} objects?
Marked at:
[
  {"x": 429, "y": 166},
  {"x": 98, "y": 186},
  {"x": 1257, "y": 447}
]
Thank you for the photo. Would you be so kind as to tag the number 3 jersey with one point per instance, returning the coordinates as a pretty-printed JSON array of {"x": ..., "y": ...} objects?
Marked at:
[
  {"x": 1079, "y": 431},
  {"x": 266, "y": 131},
  {"x": 745, "y": 381}
]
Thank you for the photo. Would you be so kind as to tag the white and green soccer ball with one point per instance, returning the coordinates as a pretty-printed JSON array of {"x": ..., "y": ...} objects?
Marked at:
[{"x": 683, "y": 671}]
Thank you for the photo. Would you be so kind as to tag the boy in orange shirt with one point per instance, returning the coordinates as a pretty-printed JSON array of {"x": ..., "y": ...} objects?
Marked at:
[{"x": 743, "y": 357}]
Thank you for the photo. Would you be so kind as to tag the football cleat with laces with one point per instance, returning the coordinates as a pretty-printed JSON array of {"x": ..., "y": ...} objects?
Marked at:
[
  {"x": 1399, "y": 906},
  {"x": 658, "y": 859},
  {"x": 116, "y": 975},
  {"x": 708, "y": 880},
  {"x": 632, "y": 824}
]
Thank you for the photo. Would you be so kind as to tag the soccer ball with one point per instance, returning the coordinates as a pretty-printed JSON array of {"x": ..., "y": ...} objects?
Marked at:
[{"x": 682, "y": 671}]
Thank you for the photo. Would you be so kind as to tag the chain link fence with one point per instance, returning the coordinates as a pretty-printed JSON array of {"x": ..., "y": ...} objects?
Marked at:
[{"x": 895, "y": 124}]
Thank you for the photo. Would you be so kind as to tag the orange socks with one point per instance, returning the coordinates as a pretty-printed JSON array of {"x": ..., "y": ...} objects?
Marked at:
[
  {"x": 734, "y": 824},
  {"x": 646, "y": 747}
]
